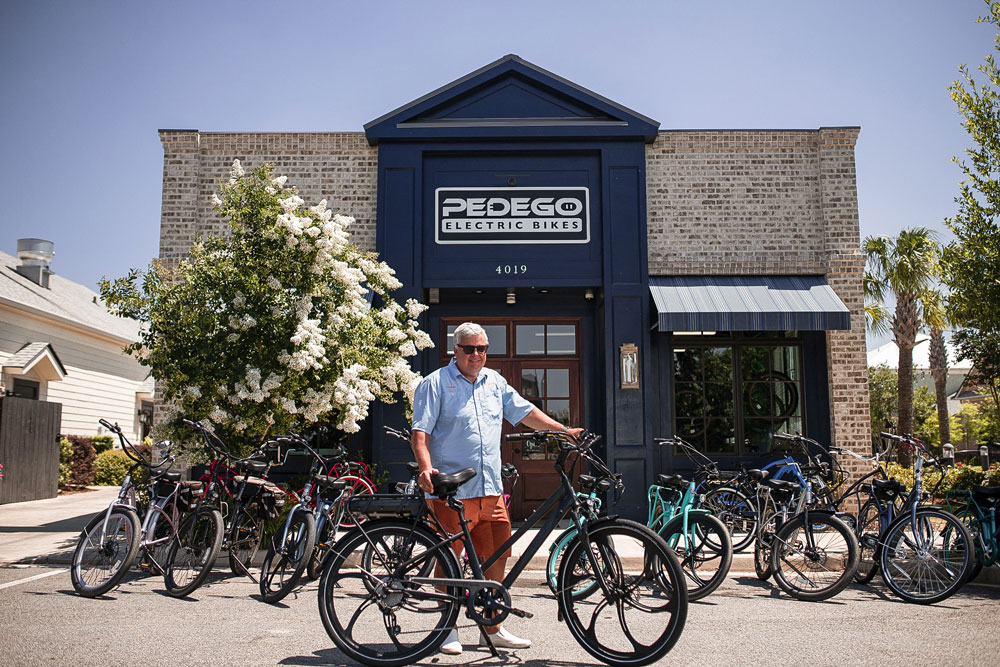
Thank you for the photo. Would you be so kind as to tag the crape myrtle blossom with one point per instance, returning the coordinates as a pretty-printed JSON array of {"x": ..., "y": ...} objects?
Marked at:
[{"x": 274, "y": 326}]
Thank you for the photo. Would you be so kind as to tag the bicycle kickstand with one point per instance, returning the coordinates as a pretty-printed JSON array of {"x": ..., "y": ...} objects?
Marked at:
[{"x": 489, "y": 641}]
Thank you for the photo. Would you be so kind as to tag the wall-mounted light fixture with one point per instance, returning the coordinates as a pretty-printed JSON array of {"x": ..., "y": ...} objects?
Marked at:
[
  {"x": 628, "y": 356},
  {"x": 511, "y": 296},
  {"x": 434, "y": 295},
  {"x": 589, "y": 294}
]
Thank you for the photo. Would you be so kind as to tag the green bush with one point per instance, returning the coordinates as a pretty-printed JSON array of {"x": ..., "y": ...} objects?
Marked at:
[
  {"x": 102, "y": 443},
  {"x": 112, "y": 465},
  {"x": 65, "y": 461},
  {"x": 959, "y": 477}
]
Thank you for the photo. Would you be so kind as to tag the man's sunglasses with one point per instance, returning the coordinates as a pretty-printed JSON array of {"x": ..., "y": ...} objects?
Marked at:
[{"x": 469, "y": 349}]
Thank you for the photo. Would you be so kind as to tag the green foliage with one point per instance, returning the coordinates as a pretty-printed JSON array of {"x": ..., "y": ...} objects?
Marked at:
[
  {"x": 881, "y": 398},
  {"x": 925, "y": 419},
  {"x": 956, "y": 477},
  {"x": 270, "y": 329},
  {"x": 65, "y": 461},
  {"x": 974, "y": 423},
  {"x": 971, "y": 262},
  {"x": 102, "y": 443},
  {"x": 111, "y": 467}
]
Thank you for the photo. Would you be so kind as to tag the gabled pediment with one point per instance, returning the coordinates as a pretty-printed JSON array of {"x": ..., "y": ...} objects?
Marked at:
[{"x": 510, "y": 98}]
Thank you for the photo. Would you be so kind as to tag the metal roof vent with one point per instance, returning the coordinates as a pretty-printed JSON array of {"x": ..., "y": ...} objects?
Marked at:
[{"x": 35, "y": 255}]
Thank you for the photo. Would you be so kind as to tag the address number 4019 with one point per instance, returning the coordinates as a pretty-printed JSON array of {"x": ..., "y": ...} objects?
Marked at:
[{"x": 511, "y": 269}]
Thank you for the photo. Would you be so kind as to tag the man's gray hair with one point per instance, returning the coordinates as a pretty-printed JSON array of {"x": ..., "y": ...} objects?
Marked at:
[{"x": 468, "y": 330}]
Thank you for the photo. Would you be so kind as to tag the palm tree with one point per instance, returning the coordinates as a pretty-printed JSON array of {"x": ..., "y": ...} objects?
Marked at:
[
  {"x": 905, "y": 266},
  {"x": 934, "y": 314}
]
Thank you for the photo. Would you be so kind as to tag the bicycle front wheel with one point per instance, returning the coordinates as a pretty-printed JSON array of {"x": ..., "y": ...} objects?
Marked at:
[
  {"x": 193, "y": 552},
  {"x": 379, "y": 615},
  {"x": 104, "y": 554},
  {"x": 244, "y": 539},
  {"x": 287, "y": 558},
  {"x": 926, "y": 558},
  {"x": 703, "y": 549},
  {"x": 985, "y": 549},
  {"x": 816, "y": 560},
  {"x": 737, "y": 511},
  {"x": 638, "y": 611}
]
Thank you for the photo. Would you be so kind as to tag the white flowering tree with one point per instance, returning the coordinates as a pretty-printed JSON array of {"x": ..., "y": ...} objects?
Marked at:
[{"x": 273, "y": 327}]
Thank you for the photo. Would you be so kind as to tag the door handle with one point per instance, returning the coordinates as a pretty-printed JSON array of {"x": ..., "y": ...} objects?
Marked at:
[{"x": 517, "y": 451}]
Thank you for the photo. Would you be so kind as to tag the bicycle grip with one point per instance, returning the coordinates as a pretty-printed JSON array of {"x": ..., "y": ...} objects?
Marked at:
[{"x": 518, "y": 437}]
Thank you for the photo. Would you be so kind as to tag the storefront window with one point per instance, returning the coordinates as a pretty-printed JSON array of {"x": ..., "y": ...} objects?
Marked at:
[
  {"x": 550, "y": 339},
  {"x": 710, "y": 375}
]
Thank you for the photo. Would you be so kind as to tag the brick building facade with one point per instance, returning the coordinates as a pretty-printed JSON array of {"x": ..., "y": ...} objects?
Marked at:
[{"x": 678, "y": 204}]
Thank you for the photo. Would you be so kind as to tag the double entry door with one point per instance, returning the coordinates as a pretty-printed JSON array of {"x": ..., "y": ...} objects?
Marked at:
[{"x": 540, "y": 359}]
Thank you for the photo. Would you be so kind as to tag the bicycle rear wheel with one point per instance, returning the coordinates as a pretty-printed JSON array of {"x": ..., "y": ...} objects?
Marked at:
[
  {"x": 641, "y": 614},
  {"x": 359, "y": 486},
  {"x": 867, "y": 531},
  {"x": 287, "y": 558},
  {"x": 244, "y": 539},
  {"x": 100, "y": 563},
  {"x": 703, "y": 549},
  {"x": 193, "y": 552},
  {"x": 926, "y": 558},
  {"x": 379, "y": 615},
  {"x": 736, "y": 510},
  {"x": 766, "y": 527},
  {"x": 814, "y": 561},
  {"x": 325, "y": 538}
]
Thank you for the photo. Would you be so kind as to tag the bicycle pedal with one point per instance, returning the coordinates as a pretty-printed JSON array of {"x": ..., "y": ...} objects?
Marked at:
[{"x": 520, "y": 613}]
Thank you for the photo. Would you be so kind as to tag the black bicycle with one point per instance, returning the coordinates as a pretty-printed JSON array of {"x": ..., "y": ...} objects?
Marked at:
[{"x": 392, "y": 587}]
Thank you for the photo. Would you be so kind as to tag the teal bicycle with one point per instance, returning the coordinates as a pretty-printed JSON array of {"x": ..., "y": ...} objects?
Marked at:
[
  {"x": 977, "y": 509},
  {"x": 590, "y": 509},
  {"x": 700, "y": 540}
]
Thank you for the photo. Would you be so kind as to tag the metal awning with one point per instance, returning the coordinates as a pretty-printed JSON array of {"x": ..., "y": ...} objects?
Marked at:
[{"x": 747, "y": 303}]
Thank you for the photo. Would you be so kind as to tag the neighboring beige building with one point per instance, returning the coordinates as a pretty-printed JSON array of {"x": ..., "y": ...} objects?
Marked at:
[{"x": 59, "y": 343}]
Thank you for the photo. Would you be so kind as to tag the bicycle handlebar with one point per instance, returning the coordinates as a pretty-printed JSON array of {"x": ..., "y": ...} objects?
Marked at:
[{"x": 130, "y": 450}]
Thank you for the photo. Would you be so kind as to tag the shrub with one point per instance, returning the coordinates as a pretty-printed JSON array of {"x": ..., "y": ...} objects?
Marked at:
[
  {"x": 959, "y": 477},
  {"x": 111, "y": 467},
  {"x": 82, "y": 461},
  {"x": 102, "y": 443},
  {"x": 65, "y": 461}
]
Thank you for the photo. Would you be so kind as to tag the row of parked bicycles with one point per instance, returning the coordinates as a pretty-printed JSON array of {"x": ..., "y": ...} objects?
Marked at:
[{"x": 391, "y": 586}]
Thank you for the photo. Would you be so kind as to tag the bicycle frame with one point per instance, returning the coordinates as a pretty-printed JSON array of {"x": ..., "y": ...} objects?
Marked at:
[{"x": 983, "y": 527}]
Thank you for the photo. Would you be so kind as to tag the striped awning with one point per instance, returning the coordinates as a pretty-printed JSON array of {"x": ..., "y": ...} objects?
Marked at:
[{"x": 747, "y": 303}]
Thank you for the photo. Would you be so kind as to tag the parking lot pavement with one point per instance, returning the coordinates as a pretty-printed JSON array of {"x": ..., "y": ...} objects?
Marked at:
[
  {"x": 45, "y": 531},
  {"x": 745, "y": 622}
]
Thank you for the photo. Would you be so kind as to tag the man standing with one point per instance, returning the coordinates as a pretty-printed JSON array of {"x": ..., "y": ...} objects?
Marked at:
[{"x": 457, "y": 412}]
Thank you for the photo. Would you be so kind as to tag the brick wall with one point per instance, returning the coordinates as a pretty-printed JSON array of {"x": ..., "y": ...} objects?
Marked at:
[
  {"x": 768, "y": 202},
  {"x": 338, "y": 166}
]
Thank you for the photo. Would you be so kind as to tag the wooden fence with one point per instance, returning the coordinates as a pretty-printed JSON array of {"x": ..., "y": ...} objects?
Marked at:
[{"x": 29, "y": 449}]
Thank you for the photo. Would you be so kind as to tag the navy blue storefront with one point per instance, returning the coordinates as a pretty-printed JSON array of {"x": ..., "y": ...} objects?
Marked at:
[{"x": 516, "y": 199}]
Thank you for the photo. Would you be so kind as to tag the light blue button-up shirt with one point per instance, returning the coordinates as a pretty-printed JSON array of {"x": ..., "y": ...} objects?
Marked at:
[{"x": 463, "y": 420}]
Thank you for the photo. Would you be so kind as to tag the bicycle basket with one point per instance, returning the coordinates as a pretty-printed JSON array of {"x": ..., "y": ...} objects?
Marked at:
[
  {"x": 272, "y": 499},
  {"x": 386, "y": 504}
]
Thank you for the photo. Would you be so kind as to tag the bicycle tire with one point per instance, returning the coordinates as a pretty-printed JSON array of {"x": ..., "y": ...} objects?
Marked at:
[
  {"x": 244, "y": 539},
  {"x": 636, "y": 563},
  {"x": 736, "y": 510},
  {"x": 762, "y": 542},
  {"x": 552, "y": 564},
  {"x": 967, "y": 516},
  {"x": 363, "y": 610},
  {"x": 324, "y": 540},
  {"x": 867, "y": 531},
  {"x": 816, "y": 572},
  {"x": 98, "y": 566},
  {"x": 157, "y": 546},
  {"x": 193, "y": 552},
  {"x": 287, "y": 559},
  {"x": 704, "y": 551},
  {"x": 359, "y": 486},
  {"x": 932, "y": 574}
]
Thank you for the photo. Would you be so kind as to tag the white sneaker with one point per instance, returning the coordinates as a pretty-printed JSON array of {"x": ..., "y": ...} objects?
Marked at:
[
  {"x": 504, "y": 639},
  {"x": 451, "y": 645}
]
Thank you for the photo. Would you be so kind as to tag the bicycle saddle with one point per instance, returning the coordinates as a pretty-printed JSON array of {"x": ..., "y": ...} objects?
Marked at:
[
  {"x": 254, "y": 467},
  {"x": 412, "y": 467},
  {"x": 986, "y": 491},
  {"x": 170, "y": 476},
  {"x": 326, "y": 482},
  {"x": 889, "y": 486},
  {"x": 673, "y": 481},
  {"x": 781, "y": 485},
  {"x": 445, "y": 485},
  {"x": 758, "y": 475}
]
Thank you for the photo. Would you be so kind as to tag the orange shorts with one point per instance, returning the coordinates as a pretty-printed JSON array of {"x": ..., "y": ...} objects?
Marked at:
[{"x": 489, "y": 523}]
